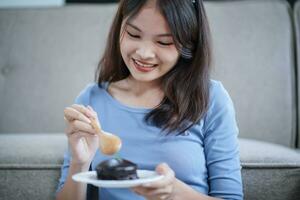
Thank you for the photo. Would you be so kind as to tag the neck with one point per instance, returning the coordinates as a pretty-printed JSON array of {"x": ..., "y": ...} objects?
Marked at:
[{"x": 140, "y": 88}]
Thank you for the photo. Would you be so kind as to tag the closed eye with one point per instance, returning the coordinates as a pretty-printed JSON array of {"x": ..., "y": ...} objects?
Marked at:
[
  {"x": 165, "y": 43},
  {"x": 132, "y": 35}
]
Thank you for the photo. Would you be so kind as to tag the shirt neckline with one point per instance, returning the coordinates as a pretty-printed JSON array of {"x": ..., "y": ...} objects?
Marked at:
[{"x": 122, "y": 105}]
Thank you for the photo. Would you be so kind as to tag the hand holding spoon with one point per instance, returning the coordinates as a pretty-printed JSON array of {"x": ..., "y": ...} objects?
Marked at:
[{"x": 109, "y": 143}]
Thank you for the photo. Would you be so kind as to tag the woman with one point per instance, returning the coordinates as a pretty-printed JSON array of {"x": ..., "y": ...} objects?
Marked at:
[{"x": 154, "y": 91}]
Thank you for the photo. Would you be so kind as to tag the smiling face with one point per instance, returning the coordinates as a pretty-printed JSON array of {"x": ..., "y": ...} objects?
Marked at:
[{"x": 147, "y": 46}]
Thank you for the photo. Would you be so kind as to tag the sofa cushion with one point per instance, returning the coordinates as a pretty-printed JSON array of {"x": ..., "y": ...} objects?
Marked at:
[
  {"x": 254, "y": 59},
  {"x": 30, "y": 167},
  {"x": 297, "y": 33},
  {"x": 47, "y": 56},
  {"x": 35, "y": 150},
  {"x": 261, "y": 154},
  {"x": 269, "y": 171}
]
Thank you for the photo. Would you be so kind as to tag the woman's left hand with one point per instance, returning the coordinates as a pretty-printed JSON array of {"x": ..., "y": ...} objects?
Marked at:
[{"x": 159, "y": 190}]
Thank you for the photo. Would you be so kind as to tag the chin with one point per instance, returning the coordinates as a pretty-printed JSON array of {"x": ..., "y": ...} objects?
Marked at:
[{"x": 145, "y": 78}]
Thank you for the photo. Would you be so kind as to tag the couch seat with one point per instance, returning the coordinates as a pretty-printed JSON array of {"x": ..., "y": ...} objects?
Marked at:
[{"x": 30, "y": 167}]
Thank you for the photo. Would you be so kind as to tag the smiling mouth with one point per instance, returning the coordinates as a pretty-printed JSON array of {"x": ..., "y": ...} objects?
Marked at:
[
  {"x": 143, "y": 67},
  {"x": 142, "y": 64}
]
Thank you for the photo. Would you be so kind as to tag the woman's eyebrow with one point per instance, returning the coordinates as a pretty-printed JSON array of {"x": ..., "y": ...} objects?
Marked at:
[
  {"x": 133, "y": 26},
  {"x": 159, "y": 35}
]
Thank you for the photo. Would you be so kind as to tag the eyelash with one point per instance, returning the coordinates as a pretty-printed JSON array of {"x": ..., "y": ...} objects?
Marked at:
[
  {"x": 136, "y": 37},
  {"x": 131, "y": 35}
]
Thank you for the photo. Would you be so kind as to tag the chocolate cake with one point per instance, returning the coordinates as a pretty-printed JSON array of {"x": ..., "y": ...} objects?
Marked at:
[{"x": 116, "y": 169}]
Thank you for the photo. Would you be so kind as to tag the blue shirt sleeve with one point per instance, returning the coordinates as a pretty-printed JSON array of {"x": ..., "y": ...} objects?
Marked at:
[
  {"x": 221, "y": 146},
  {"x": 64, "y": 171},
  {"x": 83, "y": 98}
]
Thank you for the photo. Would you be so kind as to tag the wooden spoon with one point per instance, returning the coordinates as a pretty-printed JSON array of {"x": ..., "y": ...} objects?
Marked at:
[{"x": 109, "y": 143}]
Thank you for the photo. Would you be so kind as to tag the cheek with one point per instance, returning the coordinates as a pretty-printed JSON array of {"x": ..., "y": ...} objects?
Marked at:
[
  {"x": 170, "y": 57},
  {"x": 126, "y": 48}
]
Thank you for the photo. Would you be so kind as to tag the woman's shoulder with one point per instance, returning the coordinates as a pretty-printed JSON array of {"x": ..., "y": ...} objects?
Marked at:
[
  {"x": 218, "y": 93},
  {"x": 221, "y": 108},
  {"x": 90, "y": 90},
  {"x": 220, "y": 101}
]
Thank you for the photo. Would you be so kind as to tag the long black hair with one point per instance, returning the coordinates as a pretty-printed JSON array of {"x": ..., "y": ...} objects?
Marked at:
[{"x": 186, "y": 85}]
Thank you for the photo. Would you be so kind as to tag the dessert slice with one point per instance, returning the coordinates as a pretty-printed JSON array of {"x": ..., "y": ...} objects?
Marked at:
[{"x": 116, "y": 169}]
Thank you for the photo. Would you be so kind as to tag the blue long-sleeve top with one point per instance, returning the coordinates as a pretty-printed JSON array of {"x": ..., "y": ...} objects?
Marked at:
[{"x": 206, "y": 157}]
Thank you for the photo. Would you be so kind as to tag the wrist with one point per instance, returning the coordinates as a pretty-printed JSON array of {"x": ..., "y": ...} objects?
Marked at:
[
  {"x": 177, "y": 190},
  {"x": 79, "y": 167},
  {"x": 183, "y": 191}
]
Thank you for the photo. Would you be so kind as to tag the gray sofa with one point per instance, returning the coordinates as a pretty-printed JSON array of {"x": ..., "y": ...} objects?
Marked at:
[{"x": 47, "y": 55}]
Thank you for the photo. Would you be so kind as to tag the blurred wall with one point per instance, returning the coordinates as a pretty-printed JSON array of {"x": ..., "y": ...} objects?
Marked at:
[{"x": 30, "y": 3}]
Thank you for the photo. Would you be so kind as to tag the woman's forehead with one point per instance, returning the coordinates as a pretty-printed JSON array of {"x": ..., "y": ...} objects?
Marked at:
[{"x": 150, "y": 19}]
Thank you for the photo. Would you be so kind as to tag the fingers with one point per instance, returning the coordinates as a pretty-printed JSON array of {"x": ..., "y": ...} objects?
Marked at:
[
  {"x": 73, "y": 113},
  {"x": 80, "y": 118},
  {"x": 94, "y": 113},
  {"x": 150, "y": 192},
  {"x": 82, "y": 134},
  {"x": 88, "y": 111},
  {"x": 95, "y": 121},
  {"x": 169, "y": 177},
  {"x": 162, "y": 189},
  {"x": 77, "y": 125},
  {"x": 158, "y": 192}
]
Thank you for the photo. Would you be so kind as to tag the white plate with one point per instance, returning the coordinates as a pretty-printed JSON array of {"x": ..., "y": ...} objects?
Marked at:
[{"x": 145, "y": 176}]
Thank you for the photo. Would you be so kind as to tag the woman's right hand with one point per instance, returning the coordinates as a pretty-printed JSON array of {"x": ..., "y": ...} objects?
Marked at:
[{"x": 83, "y": 139}]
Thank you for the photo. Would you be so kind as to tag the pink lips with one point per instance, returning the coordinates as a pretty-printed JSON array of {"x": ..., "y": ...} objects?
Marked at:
[{"x": 142, "y": 68}]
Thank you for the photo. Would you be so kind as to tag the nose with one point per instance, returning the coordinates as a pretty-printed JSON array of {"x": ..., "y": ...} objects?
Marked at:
[{"x": 145, "y": 51}]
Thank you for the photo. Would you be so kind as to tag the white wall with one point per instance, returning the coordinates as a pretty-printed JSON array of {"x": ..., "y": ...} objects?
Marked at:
[{"x": 31, "y": 3}]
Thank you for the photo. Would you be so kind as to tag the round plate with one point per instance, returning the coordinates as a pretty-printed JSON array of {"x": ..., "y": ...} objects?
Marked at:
[{"x": 145, "y": 176}]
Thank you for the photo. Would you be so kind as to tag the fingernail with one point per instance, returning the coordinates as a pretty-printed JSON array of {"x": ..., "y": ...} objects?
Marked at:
[
  {"x": 160, "y": 170},
  {"x": 89, "y": 107},
  {"x": 89, "y": 114},
  {"x": 89, "y": 121}
]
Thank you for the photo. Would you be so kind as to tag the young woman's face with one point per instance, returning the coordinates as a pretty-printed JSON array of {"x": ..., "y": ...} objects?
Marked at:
[{"x": 147, "y": 46}]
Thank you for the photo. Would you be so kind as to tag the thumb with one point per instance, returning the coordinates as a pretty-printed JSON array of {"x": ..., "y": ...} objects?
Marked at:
[
  {"x": 93, "y": 112},
  {"x": 162, "y": 168}
]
